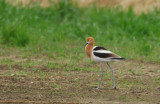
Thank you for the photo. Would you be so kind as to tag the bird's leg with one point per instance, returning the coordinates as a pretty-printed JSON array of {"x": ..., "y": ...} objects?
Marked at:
[
  {"x": 101, "y": 77},
  {"x": 114, "y": 85}
]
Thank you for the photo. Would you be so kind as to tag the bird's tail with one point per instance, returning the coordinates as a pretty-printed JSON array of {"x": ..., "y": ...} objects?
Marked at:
[{"x": 118, "y": 58}]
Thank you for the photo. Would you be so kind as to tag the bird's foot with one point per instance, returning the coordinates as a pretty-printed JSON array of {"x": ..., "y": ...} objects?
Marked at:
[
  {"x": 114, "y": 87},
  {"x": 97, "y": 88}
]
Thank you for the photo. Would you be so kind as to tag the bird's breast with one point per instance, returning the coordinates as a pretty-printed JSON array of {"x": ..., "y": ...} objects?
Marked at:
[{"x": 88, "y": 50}]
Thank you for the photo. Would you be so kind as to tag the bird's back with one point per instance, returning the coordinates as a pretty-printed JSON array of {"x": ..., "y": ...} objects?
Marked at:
[{"x": 100, "y": 54}]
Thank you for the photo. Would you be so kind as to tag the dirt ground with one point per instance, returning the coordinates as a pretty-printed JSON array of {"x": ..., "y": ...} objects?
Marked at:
[{"x": 137, "y": 82}]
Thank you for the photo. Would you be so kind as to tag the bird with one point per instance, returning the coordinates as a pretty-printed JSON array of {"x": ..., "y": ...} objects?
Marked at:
[{"x": 101, "y": 55}]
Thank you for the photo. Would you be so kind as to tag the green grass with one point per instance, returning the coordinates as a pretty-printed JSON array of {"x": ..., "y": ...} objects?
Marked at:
[
  {"x": 60, "y": 31},
  {"x": 12, "y": 36}
]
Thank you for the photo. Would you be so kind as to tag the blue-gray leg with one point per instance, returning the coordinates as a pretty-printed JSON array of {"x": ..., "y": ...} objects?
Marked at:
[
  {"x": 114, "y": 85},
  {"x": 101, "y": 76}
]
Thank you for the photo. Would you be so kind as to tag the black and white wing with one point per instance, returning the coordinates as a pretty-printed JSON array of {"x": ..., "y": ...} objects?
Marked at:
[{"x": 100, "y": 54}]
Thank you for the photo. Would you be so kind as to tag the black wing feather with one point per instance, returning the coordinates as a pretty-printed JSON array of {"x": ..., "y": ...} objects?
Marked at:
[
  {"x": 103, "y": 55},
  {"x": 99, "y": 48},
  {"x": 118, "y": 58},
  {"x": 106, "y": 55}
]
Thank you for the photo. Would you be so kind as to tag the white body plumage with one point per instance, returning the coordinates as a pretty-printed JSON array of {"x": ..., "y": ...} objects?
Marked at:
[{"x": 100, "y": 54}]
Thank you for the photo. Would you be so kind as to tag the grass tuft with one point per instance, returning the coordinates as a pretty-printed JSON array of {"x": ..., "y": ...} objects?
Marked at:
[{"x": 14, "y": 35}]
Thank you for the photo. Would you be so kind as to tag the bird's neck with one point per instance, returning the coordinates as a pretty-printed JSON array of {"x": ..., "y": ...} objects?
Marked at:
[{"x": 88, "y": 49}]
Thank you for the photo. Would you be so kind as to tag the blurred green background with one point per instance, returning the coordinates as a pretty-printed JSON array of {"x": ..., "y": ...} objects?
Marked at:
[{"x": 60, "y": 30}]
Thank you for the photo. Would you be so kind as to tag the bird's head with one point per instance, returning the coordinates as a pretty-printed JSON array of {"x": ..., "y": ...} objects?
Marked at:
[{"x": 90, "y": 41}]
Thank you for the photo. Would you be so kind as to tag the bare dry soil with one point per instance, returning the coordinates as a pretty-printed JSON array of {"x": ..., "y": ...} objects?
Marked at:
[{"x": 137, "y": 82}]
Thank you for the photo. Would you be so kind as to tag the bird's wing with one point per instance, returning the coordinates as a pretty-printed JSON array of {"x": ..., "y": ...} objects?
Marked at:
[{"x": 101, "y": 52}]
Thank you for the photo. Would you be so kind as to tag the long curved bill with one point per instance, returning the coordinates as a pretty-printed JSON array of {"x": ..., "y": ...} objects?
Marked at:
[{"x": 86, "y": 44}]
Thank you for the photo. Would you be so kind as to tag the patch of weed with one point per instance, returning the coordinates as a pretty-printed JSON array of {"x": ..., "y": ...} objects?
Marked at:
[{"x": 14, "y": 35}]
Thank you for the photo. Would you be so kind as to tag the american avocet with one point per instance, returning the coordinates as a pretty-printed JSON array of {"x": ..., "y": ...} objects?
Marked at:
[{"x": 101, "y": 55}]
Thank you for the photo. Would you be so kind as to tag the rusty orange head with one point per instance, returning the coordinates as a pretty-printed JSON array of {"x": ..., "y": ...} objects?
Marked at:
[{"x": 90, "y": 41}]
